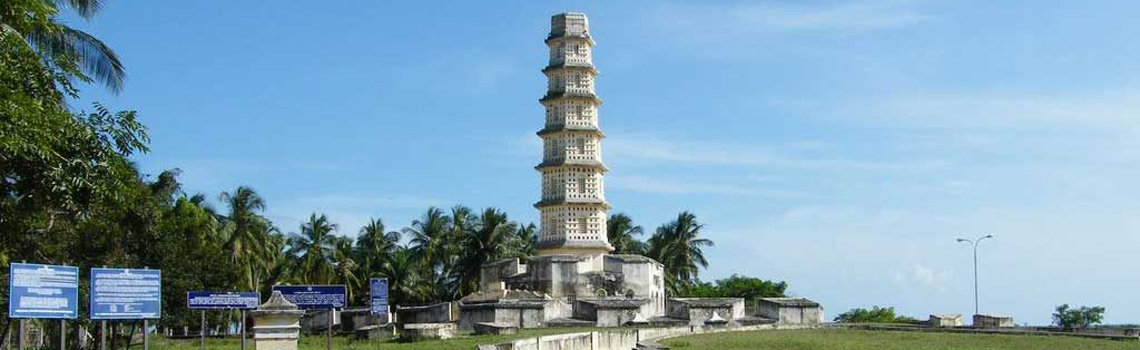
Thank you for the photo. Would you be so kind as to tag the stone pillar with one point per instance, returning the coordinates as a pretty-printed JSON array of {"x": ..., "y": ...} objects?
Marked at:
[{"x": 276, "y": 324}]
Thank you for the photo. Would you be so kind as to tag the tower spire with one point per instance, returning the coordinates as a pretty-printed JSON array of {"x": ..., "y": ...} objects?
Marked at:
[{"x": 573, "y": 203}]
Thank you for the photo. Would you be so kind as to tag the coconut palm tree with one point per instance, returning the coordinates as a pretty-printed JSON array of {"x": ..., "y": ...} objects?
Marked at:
[
  {"x": 76, "y": 53},
  {"x": 429, "y": 235},
  {"x": 621, "y": 231},
  {"x": 313, "y": 250},
  {"x": 245, "y": 231},
  {"x": 490, "y": 240},
  {"x": 405, "y": 284},
  {"x": 525, "y": 241},
  {"x": 345, "y": 266},
  {"x": 677, "y": 245}
]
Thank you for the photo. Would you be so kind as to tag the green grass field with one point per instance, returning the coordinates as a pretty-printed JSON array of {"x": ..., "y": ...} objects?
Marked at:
[
  {"x": 463, "y": 341},
  {"x": 886, "y": 340}
]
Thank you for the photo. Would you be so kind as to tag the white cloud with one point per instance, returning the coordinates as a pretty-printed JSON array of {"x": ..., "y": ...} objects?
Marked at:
[{"x": 919, "y": 275}]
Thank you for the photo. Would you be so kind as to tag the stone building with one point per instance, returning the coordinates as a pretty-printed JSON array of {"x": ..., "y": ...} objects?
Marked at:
[
  {"x": 945, "y": 320},
  {"x": 574, "y": 273},
  {"x": 791, "y": 310},
  {"x": 992, "y": 321}
]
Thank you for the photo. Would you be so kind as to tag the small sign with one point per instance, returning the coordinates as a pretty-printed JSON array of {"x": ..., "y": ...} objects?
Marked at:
[
  {"x": 43, "y": 291},
  {"x": 379, "y": 292},
  {"x": 124, "y": 294},
  {"x": 314, "y": 296},
  {"x": 222, "y": 300}
]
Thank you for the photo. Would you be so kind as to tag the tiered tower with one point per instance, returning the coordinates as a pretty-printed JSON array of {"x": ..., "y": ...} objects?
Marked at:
[{"x": 573, "y": 201}]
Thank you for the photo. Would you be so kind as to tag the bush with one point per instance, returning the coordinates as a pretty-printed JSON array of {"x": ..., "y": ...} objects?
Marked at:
[
  {"x": 874, "y": 315},
  {"x": 1082, "y": 317}
]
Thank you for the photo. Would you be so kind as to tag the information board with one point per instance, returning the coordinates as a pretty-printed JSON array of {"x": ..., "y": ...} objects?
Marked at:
[
  {"x": 43, "y": 291},
  {"x": 314, "y": 296},
  {"x": 123, "y": 294},
  {"x": 379, "y": 292},
  {"x": 222, "y": 300}
]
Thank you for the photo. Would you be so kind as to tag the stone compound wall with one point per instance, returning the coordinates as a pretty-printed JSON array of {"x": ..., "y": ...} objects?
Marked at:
[
  {"x": 435, "y": 313},
  {"x": 619, "y": 339}
]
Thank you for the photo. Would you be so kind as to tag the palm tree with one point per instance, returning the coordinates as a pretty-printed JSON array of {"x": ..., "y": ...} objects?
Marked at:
[
  {"x": 525, "y": 241},
  {"x": 677, "y": 246},
  {"x": 374, "y": 248},
  {"x": 76, "y": 53},
  {"x": 621, "y": 231},
  {"x": 313, "y": 250},
  {"x": 429, "y": 235},
  {"x": 490, "y": 240},
  {"x": 373, "y": 244},
  {"x": 345, "y": 266},
  {"x": 245, "y": 231},
  {"x": 405, "y": 284}
]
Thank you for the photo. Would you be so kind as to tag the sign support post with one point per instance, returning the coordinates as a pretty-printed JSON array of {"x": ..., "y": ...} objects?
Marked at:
[
  {"x": 202, "y": 331},
  {"x": 146, "y": 335},
  {"x": 102, "y": 335},
  {"x": 328, "y": 331},
  {"x": 22, "y": 338},
  {"x": 243, "y": 329},
  {"x": 62, "y": 334}
]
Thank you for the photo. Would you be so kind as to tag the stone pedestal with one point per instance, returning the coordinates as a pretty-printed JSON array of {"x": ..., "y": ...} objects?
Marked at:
[{"x": 276, "y": 324}]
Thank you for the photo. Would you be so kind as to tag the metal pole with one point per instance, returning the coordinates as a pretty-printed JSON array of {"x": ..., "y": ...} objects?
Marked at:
[
  {"x": 328, "y": 331},
  {"x": 242, "y": 323},
  {"x": 976, "y": 276},
  {"x": 102, "y": 335},
  {"x": 62, "y": 334},
  {"x": 202, "y": 332},
  {"x": 146, "y": 337},
  {"x": 22, "y": 338}
]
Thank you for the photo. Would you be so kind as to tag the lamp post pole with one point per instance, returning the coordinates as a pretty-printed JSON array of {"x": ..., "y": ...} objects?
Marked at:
[{"x": 974, "y": 243}]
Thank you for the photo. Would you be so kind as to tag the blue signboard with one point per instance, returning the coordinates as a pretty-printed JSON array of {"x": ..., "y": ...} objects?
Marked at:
[
  {"x": 379, "y": 291},
  {"x": 43, "y": 291},
  {"x": 222, "y": 300},
  {"x": 314, "y": 297},
  {"x": 123, "y": 294}
]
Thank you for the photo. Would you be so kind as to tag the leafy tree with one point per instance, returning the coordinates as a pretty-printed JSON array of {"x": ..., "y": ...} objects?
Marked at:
[
  {"x": 621, "y": 233},
  {"x": 874, "y": 315},
  {"x": 1083, "y": 317},
  {"x": 737, "y": 286},
  {"x": 678, "y": 246}
]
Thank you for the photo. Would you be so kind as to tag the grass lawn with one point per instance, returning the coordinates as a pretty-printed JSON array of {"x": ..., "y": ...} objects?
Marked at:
[
  {"x": 462, "y": 341},
  {"x": 886, "y": 340}
]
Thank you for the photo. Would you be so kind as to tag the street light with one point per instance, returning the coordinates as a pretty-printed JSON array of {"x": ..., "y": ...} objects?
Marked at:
[{"x": 975, "y": 244}]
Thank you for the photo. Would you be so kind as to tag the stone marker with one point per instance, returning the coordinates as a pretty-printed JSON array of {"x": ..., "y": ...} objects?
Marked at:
[{"x": 276, "y": 324}]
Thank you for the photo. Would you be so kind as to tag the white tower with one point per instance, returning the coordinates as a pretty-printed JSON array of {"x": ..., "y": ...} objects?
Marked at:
[{"x": 573, "y": 201}]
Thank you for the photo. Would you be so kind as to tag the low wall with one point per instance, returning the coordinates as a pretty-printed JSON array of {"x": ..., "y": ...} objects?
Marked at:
[
  {"x": 625, "y": 339},
  {"x": 1009, "y": 331},
  {"x": 620, "y": 339}
]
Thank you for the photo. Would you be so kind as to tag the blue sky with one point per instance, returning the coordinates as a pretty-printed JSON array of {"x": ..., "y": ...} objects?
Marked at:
[{"x": 841, "y": 146}]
